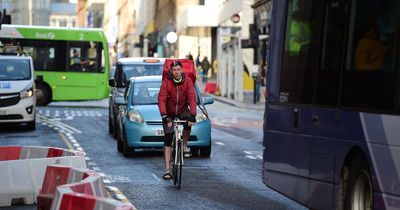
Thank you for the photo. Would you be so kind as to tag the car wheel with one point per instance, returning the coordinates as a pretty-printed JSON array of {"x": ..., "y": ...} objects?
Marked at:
[
  {"x": 115, "y": 131},
  {"x": 205, "y": 151},
  {"x": 119, "y": 145},
  {"x": 126, "y": 150},
  {"x": 110, "y": 126},
  {"x": 31, "y": 125},
  {"x": 43, "y": 94}
]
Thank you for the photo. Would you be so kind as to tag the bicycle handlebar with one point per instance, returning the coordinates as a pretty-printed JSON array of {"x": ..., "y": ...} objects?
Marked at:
[{"x": 179, "y": 121}]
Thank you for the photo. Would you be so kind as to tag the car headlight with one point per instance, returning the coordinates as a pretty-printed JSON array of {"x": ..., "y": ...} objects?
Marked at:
[
  {"x": 134, "y": 116},
  {"x": 200, "y": 116},
  {"x": 27, "y": 92}
]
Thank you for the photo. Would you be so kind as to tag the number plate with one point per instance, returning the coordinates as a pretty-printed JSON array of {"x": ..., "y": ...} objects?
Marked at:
[
  {"x": 159, "y": 132},
  {"x": 3, "y": 112}
]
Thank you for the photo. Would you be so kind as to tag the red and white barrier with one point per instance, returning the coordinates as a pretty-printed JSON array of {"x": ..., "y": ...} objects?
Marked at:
[
  {"x": 78, "y": 201},
  {"x": 87, "y": 194},
  {"x": 56, "y": 176},
  {"x": 23, "y": 168}
]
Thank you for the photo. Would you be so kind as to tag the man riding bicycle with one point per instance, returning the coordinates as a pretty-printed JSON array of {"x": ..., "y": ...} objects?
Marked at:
[{"x": 176, "y": 99}]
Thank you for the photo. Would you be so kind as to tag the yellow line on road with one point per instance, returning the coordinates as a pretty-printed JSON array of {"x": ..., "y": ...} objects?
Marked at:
[{"x": 65, "y": 139}]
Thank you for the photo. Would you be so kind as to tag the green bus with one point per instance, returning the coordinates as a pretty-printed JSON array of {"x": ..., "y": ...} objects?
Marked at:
[{"x": 70, "y": 63}]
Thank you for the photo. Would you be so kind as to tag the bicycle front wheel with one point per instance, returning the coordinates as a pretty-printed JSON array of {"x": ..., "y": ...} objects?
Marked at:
[{"x": 178, "y": 166}]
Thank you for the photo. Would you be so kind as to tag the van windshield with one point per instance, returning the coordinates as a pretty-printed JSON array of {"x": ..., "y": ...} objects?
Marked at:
[
  {"x": 14, "y": 69},
  {"x": 137, "y": 70}
]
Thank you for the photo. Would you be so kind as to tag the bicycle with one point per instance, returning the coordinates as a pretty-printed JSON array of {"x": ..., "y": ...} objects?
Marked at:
[{"x": 177, "y": 152}]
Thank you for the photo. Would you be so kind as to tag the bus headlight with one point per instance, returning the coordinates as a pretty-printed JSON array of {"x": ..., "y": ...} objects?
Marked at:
[
  {"x": 134, "y": 116},
  {"x": 200, "y": 116},
  {"x": 26, "y": 93}
]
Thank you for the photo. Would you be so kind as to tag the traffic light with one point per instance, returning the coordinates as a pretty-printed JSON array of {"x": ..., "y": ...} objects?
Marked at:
[
  {"x": 253, "y": 30},
  {"x": 4, "y": 18},
  {"x": 1, "y": 19}
]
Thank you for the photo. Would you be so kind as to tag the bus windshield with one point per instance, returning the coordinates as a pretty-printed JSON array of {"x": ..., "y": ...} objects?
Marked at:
[{"x": 14, "y": 70}]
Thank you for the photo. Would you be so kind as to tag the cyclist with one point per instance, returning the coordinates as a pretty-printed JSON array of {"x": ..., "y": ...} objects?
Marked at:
[{"x": 176, "y": 99}]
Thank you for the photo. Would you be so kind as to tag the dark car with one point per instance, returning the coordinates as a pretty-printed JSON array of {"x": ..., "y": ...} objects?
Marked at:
[{"x": 125, "y": 69}]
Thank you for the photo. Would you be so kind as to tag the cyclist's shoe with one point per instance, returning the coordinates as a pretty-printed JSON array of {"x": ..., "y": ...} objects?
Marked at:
[
  {"x": 186, "y": 152},
  {"x": 167, "y": 176}
]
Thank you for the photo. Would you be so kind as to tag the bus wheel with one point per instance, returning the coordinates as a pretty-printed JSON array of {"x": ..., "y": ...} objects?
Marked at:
[
  {"x": 359, "y": 191},
  {"x": 43, "y": 94}
]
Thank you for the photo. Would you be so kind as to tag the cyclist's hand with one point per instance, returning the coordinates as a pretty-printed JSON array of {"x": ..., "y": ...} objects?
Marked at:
[
  {"x": 192, "y": 120},
  {"x": 169, "y": 124},
  {"x": 167, "y": 120}
]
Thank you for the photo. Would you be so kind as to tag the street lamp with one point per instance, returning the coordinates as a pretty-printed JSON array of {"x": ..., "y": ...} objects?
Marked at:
[{"x": 172, "y": 37}]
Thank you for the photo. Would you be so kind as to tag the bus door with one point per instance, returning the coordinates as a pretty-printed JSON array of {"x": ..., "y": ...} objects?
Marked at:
[
  {"x": 288, "y": 149},
  {"x": 289, "y": 128},
  {"x": 297, "y": 89}
]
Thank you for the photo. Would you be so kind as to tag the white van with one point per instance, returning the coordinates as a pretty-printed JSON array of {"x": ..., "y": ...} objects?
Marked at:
[{"x": 17, "y": 91}]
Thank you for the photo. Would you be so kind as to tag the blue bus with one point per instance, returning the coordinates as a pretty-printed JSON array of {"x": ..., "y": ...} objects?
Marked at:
[{"x": 332, "y": 120}]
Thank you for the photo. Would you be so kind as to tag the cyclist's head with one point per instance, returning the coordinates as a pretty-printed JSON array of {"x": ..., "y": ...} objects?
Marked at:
[{"x": 176, "y": 71}]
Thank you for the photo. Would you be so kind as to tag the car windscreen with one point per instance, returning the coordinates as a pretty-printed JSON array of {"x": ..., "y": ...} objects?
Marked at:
[
  {"x": 137, "y": 70},
  {"x": 145, "y": 93},
  {"x": 14, "y": 69}
]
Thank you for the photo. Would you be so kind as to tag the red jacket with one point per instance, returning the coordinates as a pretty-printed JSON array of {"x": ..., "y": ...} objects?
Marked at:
[{"x": 174, "y": 99}]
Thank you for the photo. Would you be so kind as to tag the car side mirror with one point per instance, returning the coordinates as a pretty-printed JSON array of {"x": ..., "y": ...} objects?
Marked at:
[
  {"x": 208, "y": 100},
  {"x": 111, "y": 82},
  {"x": 119, "y": 101}
]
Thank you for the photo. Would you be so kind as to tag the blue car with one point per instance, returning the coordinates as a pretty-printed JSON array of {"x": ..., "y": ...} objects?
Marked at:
[{"x": 139, "y": 121}]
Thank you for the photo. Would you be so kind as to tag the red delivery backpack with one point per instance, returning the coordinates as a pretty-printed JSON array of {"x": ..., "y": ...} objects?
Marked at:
[{"x": 187, "y": 66}]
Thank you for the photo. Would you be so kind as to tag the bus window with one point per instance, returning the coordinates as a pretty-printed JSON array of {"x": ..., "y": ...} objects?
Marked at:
[
  {"x": 332, "y": 53},
  {"x": 299, "y": 59},
  {"x": 85, "y": 57},
  {"x": 369, "y": 77},
  {"x": 46, "y": 55}
]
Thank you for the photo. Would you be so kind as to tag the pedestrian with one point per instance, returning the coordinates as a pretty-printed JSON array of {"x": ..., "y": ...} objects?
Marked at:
[
  {"x": 190, "y": 56},
  {"x": 205, "y": 65}
]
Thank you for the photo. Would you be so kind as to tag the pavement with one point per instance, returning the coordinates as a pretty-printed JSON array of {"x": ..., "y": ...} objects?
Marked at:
[{"x": 103, "y": 103}]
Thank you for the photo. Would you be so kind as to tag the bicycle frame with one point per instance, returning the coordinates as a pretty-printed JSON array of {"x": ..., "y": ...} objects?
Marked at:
[
  {"x": 177, "y": 152},
  {"x": 178, "y": 128}
]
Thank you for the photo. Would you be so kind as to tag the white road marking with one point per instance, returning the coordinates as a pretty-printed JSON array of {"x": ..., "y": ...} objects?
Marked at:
[
  {"x": 106, "y": 181},
  {"x": 155, "y": 177},
  {"x": 259, "y": 157},
  {"x": 219, "y": 143},
  {"x": 248, "y": 152},
  {"x": 251, "y": 157}
]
